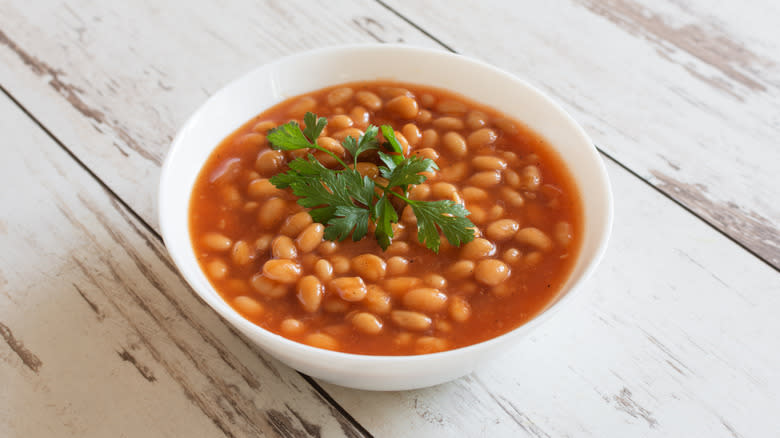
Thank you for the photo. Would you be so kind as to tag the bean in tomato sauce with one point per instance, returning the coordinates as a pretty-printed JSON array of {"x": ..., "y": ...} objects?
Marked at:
[{"x": 267, "y": 258}]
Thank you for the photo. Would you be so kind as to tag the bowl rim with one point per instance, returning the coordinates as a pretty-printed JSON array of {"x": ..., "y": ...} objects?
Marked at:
[{"x": 233, "y": 317}]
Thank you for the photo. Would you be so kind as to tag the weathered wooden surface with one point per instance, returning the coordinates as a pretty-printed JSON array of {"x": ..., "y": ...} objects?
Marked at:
[
  {"x": 98, "y": 334},
  {"x": 686, "y": 94},
  {"x": 114, "y": 81},
  {"x": 672, "y": 337}
]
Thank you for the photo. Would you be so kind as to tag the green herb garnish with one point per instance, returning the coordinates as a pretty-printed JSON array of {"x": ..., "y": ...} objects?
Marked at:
[{"x": 346, "y": 202}]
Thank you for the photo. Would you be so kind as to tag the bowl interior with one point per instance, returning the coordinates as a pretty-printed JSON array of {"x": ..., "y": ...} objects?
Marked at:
[{"x": 272, "y": 83}]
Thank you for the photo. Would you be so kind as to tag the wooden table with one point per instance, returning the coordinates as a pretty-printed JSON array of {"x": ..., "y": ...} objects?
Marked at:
[{"x": 676, "y": 335}]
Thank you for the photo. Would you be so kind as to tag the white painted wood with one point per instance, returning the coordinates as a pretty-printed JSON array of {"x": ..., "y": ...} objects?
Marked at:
[
  {"x": 682, "y": 93},
  {"x": 671, "y": 293},
  {"x": 115, "y": 81},
  {"x": 98, "y": 334},
  {"x": 674, "y": 336},
  {"x": 686, "y": 94}
]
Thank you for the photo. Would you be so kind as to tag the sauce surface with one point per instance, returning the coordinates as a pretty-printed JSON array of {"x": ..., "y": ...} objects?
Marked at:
[{"x": 261, "y": 252}]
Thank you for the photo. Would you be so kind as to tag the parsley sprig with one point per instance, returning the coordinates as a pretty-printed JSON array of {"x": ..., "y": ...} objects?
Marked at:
[{"x": 346, "y": 202}]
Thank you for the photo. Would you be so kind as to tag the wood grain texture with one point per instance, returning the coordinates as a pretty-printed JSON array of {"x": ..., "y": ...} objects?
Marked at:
[
  {"x": 684, "y": 93},
  {"x": 98, "y": 334},
  {"x": 669, "y": 338},
  {"x": 116, "y": 81},
  {"x": 672, "y": 336}
]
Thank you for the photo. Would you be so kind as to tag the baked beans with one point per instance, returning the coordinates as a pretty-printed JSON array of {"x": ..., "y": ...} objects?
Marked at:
[{"x": 268, "y": 258}]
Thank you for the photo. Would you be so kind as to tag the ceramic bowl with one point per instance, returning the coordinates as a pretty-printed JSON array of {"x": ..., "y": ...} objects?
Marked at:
[{"x": 269, "y": 84}]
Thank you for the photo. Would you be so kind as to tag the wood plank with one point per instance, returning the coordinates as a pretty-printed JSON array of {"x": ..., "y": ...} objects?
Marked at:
[
  {"x": 686, "y": 94},
  {"x": 99, "y": 336},
  {"x": 486, "y": 401},
  {"x": 116, "y": 81},
  {"x": 673, "y": 336}
]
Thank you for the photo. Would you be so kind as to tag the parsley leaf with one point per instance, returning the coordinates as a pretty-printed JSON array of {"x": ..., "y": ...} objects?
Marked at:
[
  {"x": 314, "y": 126},
  {"x": 395, "y": 146},
  {"x": 361, "y": 188},
  {"x": 322, "y": 215},
  {"x": 389, "y": 164},
  {"x": 330, "y": 189},
  {"x": 300, "y": 169},
  {"x": 408, "y": 171},
  {"x": 445, "y": 215},
  {"x": 386, "y": 217},
  {"x": 347, "y": 219},
  {"x": 366, "y": 142},
  {"x": 288, "y": 137},
  {"x": 346, "y": 202}
]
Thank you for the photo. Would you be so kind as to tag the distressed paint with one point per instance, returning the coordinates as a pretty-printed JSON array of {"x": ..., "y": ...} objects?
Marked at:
[
  {"x": 103, "y": 336},
  {"x": 638, "y": 353},
  {"x": 688, "y": 90}
]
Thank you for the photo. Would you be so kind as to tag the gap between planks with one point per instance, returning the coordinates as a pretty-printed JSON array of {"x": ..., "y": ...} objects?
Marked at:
[
  {"x": 317, "y": 387},
  {"x": 603, "y": 153},
  {"x": 311, "y": 381}
]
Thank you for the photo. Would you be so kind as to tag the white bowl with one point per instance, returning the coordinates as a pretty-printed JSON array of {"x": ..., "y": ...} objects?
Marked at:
[{"x": 260, "y": 89}]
